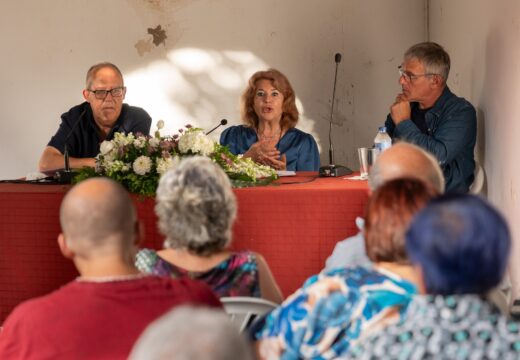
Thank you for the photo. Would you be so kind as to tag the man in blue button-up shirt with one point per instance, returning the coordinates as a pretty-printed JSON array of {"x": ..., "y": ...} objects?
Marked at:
[{"x": 429, "y": 115}]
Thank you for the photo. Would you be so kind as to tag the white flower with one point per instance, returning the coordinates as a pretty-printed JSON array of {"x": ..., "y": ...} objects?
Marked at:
[
  {"x": 121, "y": 139},
  {"x": 253, "y": 170},
  {"x": 160, "y": 125},
  {"x": 106, "y": 147},
  {"x": 107, "y": 153},
  {"x": 142, "y": 165},
  {"x": 140, "y": 142},
  {"x": 166, "y": 164},
  {"x": 196, "y": 142},
  {"x": 154, "y": 142},
  {"x": 112, "y": 166}
]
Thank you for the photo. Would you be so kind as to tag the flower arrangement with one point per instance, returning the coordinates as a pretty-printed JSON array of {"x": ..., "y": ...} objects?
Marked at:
[{"x": 137, "y": 161}]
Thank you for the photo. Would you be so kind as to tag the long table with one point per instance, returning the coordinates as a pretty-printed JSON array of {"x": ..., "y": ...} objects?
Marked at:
[{"x": 294, "y": 223}]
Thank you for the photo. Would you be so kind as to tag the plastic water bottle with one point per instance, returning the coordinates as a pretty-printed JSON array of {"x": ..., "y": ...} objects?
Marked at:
[{"x": 382, "y": 141}]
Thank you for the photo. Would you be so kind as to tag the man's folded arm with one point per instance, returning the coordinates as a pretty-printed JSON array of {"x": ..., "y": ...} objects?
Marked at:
[{"x": 53, "y": 159}]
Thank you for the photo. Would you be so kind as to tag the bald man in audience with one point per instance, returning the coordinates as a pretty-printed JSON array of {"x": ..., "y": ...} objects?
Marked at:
[
  {"x": 403, "y": 160},
  {"x": 101, "y": 313}
]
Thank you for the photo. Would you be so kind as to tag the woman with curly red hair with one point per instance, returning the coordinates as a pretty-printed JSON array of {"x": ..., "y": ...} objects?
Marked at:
[{"x": 268, "y": 135}]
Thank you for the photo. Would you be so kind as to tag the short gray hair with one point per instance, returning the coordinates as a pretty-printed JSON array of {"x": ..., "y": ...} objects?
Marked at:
[
  {"x": 92, "y": 71},
  {"x": 433, "y": 56},
  {"x": 172, "y": 337},
  {"x": 196, "y": 206},
  {"x": 404, "y": 159}
]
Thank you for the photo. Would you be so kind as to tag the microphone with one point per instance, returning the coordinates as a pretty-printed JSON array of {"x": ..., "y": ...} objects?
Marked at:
[
  {"x": 65, "y": 176},
  {"x": 333, "y": 170},
  {"x": 222, "y": 123}
]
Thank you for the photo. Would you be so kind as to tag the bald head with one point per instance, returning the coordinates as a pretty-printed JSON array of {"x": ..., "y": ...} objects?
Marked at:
[
  {"x": 96, "y": 216},
  {"x": 404, "y": 160}
]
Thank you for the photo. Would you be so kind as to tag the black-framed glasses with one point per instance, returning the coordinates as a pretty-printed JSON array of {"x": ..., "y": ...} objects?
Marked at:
[
  {"x": 102, "y": 94},
  {"x": 408, "y": 76}
]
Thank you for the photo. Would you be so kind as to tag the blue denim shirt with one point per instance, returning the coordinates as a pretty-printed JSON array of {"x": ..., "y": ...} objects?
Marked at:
[{"x": 451, "y": 137}]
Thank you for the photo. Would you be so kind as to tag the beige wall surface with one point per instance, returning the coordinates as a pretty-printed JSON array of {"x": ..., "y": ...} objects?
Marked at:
[
  {"x": 483, "y": 39},
  {"x": 198, "y": 73}
]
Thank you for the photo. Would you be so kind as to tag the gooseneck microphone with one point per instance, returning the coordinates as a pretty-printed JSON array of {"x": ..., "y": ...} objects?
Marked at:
[
  {"x": 337, "y": 59},
  {"x": 222, "y": 123},
  {"x": 333, "y": 170},
  {"x": 65, "y": 176}
]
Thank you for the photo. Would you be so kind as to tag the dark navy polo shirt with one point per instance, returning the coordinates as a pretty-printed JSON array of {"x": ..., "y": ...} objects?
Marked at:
[{"x": 84, "y": 140}]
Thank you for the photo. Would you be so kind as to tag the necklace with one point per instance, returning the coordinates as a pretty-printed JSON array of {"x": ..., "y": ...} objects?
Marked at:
[{"x": 273, "y": 136}]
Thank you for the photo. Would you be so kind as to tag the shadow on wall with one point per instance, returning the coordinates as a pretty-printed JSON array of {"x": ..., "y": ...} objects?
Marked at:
[
  {"x": 491, "y": 114},
  {"x": 194, "y": 86},
  {"x": 480, "y": 147}
]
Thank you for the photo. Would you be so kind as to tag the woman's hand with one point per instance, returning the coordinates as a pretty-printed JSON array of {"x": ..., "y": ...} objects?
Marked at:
[
  {"x": 263, "y": 152},
  {"x": 278, "y": 163}
]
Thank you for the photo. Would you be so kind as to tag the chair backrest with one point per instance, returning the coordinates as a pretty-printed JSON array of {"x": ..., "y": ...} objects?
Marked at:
[
  {"x": 244, "y": 310},
  {"x": 480, "y": 179}
]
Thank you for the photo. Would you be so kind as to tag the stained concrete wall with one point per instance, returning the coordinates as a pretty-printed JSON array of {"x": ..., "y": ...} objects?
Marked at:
[
  {"x": 198, "y": 72},
  {"x": 482, "y": 38}
]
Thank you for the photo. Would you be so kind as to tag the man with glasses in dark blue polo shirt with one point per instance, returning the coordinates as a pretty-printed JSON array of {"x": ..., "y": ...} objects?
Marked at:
[
  {"x": 84, "y": 127},
  {"x": 429, "y": 115}
]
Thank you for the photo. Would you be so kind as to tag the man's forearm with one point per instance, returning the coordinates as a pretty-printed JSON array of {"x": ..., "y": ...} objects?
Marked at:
[{"x": 52, "y": 159}]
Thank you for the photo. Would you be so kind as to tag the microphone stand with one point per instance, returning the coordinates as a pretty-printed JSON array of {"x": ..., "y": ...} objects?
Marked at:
[
  {"x": 66, "y": 175},
  {"x": 222, "y": 123},
  {"x": 333, "y": 170}
]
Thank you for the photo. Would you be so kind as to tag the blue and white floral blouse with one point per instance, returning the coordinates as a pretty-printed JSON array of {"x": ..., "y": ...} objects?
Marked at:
[{"x": 320, "y": 320}]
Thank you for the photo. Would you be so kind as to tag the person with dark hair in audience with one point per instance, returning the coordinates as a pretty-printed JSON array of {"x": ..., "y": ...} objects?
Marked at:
[
  {"x": 101, "y": 313},
  {"x": 188, "y": 333},
  {"x": 87, "y": 125},
  {"x": 400, "y": 161},
  {"x": 460, "y": 246},
  {"x": 336, "y": 307},
  {"x": 196, "y": 208},
  {"x": 269, "y": 135}
]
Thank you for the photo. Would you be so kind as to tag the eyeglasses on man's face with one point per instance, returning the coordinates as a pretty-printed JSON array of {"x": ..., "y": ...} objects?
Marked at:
[
  {"x": 409, "y": 76},
  {"x": 102, "y": 94}
]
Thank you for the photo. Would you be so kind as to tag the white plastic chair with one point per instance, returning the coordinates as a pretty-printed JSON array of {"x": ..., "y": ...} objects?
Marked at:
[
  {"x": 244, "y": 310},
  {"x": 480, "y": 179}
]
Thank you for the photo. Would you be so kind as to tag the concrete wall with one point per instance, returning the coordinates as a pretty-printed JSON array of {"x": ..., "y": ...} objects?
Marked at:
[
  {"x": 482, "y": 38},
  {"x": 198, "y": 73}
]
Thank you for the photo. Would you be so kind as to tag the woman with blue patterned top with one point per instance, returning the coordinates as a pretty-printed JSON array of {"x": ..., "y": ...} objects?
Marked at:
[
  {"x": 461, "y": 244},
  {"x": 320, "y": 320}
]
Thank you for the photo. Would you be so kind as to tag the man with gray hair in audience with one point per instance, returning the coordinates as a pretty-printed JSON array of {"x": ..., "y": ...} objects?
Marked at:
[
  {"x": 188, "y": 333},
  {"x": 403, "y": 160},
  {"x": 101, "y": 313}
]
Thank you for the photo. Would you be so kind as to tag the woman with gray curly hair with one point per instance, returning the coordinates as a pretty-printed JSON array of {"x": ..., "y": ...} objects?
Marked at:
[{"x": 196, "y": 208}]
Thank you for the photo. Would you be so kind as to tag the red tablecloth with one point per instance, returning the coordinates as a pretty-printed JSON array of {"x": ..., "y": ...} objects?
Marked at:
[{"x": 294, "y": 224}]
